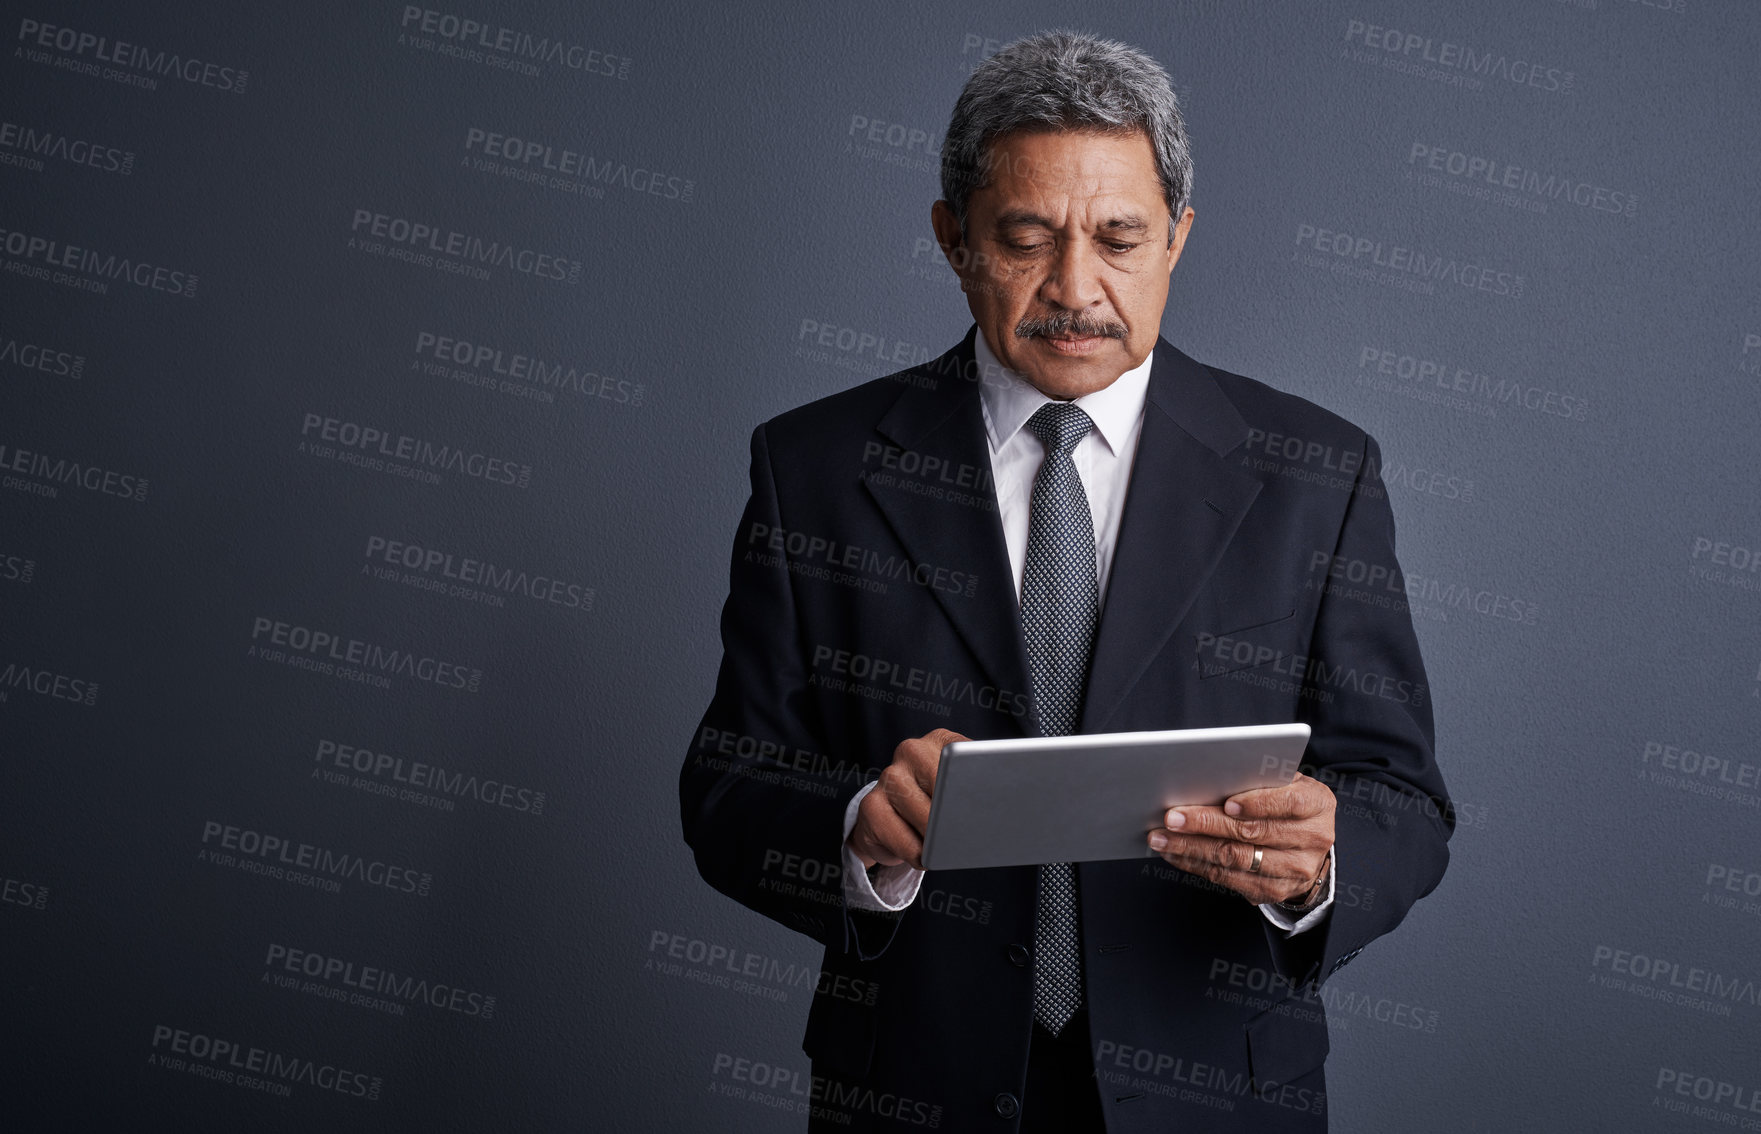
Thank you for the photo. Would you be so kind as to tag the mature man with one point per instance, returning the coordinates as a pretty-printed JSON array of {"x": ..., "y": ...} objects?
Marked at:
[{"x": 1063, "y": 525}]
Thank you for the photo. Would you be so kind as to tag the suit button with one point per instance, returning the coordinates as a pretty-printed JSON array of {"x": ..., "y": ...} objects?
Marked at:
[
  {"x": 1019, "y": 956},
  {"x": 1006, "y": 1106}
]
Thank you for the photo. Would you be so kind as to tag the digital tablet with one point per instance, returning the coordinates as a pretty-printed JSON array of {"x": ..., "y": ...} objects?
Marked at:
[{"x": 1091, "y": 798}]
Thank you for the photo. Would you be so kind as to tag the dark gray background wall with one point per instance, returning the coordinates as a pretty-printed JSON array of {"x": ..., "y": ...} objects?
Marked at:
[{"x": 1568, "y": 413}]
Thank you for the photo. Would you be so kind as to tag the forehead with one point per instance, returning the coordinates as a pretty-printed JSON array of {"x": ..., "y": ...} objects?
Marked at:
[{"x": 1048, "y": 166}]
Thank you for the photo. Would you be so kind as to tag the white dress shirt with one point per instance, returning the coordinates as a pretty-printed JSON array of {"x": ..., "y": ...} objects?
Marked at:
[{"x": 1103, "y": 459}]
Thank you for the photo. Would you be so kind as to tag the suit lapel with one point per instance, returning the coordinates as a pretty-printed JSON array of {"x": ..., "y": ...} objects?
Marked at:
[
  {"x": 939, "y": 416},
  {"x": 1182, "y": 507}
]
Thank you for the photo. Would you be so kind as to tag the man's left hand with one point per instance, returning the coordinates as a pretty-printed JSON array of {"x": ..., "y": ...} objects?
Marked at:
[{"x": 1292, "y": 827}]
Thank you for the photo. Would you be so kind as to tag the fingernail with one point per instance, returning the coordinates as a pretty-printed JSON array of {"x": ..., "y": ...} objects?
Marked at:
[
  {"x": 1158, "y": 840},
  {"x": 1232, "y": 808},
  {"x": 1176, "y": 820}
]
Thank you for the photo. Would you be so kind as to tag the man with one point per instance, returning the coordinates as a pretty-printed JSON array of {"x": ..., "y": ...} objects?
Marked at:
[{"x": 1064, "y": 524}]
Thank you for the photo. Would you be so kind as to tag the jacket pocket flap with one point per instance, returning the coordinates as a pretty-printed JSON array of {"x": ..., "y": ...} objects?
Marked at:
[{"x": 1258, "y": 642}]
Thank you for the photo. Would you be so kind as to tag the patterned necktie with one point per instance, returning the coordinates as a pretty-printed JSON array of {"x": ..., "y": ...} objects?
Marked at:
[{"x": 1060, "y": 607}]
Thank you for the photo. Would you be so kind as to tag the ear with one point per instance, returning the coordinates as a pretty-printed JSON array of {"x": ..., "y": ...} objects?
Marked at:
[
  {"x": 947, "y": 230},
  {"x": 1181, "y": 228}
]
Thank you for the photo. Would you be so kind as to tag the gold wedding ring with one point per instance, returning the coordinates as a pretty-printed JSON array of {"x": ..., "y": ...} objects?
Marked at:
[{"x": 1259, "y": 855}]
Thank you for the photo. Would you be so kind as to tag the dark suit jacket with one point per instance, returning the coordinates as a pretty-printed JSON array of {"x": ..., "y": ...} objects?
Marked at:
[{"x": 871, "y": 601}]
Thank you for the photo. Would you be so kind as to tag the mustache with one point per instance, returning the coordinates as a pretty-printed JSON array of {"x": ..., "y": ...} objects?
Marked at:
[{"x": 1068, "y": 324}]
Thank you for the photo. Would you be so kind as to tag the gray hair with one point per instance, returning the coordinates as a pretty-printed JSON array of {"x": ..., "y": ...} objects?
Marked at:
[{"x": 1065, "y": 80}]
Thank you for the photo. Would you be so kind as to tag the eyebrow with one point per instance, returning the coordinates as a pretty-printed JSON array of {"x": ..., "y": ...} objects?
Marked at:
[{"x": 1022, "y": 218}]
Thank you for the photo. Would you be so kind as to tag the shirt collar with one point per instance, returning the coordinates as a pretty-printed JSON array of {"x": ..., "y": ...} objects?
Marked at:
[{"x": 1009, "y": 399}]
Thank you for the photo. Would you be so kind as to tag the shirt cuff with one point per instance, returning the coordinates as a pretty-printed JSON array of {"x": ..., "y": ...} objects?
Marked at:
[
  {"x": 1278, "y": 917},
  {"x": 891, "y": 888}
]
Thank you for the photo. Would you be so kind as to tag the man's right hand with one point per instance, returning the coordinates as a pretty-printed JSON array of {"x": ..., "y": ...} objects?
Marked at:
[{"x": 890, "y": 821}]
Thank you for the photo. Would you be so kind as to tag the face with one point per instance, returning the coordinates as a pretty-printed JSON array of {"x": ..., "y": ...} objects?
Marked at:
[{"x": 1066, "y": 259}]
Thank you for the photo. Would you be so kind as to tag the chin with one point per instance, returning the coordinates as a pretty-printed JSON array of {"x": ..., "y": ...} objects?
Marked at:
[{"x": 1067, "y": 382}]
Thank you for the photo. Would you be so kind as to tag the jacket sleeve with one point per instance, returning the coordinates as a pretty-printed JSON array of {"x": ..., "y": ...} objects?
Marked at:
[
  {"x": 1368, "y": 704},
  {"x": 761, "y": 798}
]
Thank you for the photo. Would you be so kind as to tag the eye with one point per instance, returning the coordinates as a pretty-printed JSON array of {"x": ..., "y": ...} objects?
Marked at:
[
  {"x": 1118, "y": 247},
  {"x": 1026, "y": 247}
]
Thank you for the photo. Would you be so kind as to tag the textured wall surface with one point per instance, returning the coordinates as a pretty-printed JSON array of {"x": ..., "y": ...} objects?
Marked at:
[{"x": 374, "y": 395}]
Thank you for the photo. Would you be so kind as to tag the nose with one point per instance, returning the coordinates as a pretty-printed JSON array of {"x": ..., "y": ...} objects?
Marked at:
[{"x": 1074, "y": 282}]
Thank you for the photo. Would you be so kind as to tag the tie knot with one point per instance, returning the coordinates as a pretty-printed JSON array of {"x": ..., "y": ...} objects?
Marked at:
[{"x": 1060, "y": 425}]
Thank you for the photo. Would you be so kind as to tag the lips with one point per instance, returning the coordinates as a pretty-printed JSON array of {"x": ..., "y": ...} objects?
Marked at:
[{"x": 1068, "y": 344}]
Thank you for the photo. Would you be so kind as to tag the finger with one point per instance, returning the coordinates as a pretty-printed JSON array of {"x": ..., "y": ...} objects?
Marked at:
[
  {"x": 862, "y": 838},
  {"x": 1254, "y": 887},
  {"x": 907, "y": 799},
  {"x": 870, "y": 852},
  {"x": 912, "y": 808},
  {"x": 892, "y": 836},
  {"x": 1279, "y": 879},
  {"x": 1299, "y": 800},
  {"x": 924, "y": 756},
  {"x": 1236, "y": 857},
  {"x": 1211, "y": 821}
]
